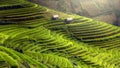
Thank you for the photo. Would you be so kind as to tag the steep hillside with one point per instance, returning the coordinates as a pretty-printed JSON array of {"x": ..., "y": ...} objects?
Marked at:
[
  {"x": 31, "y": 38},
  {"x": 105, "y": 10}
]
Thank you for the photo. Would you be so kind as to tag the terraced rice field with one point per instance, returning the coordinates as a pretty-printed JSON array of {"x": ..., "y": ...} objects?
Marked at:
[{"x": 29, "y": 38}]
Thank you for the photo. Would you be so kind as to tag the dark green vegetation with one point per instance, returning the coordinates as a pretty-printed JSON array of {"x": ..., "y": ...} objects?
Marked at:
[{"x": 30, "y": 39}]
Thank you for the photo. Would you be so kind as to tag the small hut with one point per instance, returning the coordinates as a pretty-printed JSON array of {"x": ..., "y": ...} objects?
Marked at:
[
  {"x": 68, "y": 20},
  {"x": 55, "y": 17}
]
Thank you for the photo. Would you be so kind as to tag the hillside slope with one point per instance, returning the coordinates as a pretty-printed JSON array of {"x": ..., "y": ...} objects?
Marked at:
[
  {"x": 29, "y": 38},
  {"x": 105, "y": 10}
]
